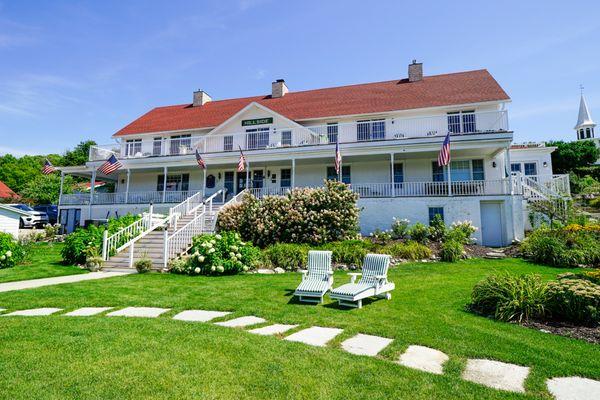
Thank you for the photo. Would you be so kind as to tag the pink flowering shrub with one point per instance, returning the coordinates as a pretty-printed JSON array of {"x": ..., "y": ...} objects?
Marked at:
[{"x": 304, "y": 215}]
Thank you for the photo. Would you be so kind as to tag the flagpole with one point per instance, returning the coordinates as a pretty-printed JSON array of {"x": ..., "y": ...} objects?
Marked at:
[
  {"x": 449, "y": 180},
  {"x": 247, "y": 174},
  {"x": 204, "y": 183}
]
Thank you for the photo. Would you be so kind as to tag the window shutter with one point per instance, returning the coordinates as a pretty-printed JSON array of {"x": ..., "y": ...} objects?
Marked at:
[{"x": 160, "y": 183}]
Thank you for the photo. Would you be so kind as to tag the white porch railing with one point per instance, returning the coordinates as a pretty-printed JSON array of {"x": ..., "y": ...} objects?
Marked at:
[
  {"x": 188, "y": 205},
  {"x": 181, "y": 240},
  {"x": 271, "y": 137},
  {"x": 127, "y": 197},
  {"x": 269, "y": 191}
]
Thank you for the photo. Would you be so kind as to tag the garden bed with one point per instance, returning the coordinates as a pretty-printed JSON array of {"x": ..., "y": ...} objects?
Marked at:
[{"x": 589, "y": 334}]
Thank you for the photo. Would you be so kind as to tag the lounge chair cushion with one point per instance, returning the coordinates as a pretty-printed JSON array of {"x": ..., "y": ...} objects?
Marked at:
[
  {"x": 351, "y": 289},
  {"x": 313, "y": 286}
]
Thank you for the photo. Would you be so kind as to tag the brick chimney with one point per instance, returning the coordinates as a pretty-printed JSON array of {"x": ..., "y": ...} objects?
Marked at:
[
  {"x": 415, "y": 71},
  {"x": 200, "y": 98},
  {"x": 278, "y": 88}
]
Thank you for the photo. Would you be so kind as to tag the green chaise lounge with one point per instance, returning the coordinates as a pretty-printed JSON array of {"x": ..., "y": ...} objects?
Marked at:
[
  {"x": 372, "y": 283},
  {"x": 317, "y": 279}
]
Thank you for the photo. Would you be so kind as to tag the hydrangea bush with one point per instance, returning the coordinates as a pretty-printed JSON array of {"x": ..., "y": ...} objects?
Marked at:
[
  {"x": 11, "y": 251},
  {"x": 218, "y": 254},
  {"x": 313, "y": 216}
]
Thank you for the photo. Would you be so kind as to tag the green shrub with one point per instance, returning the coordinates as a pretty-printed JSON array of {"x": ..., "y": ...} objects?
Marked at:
[
  {"x": 220, "y": 254},
  {"x": 451, "y": 250},
  {"x": 11, "y": 251},
  {"x": 314, "y": 216},
  {"x": 143, "y": 265},
  {"x": 380, "y": 236},
  {"x": 437, "y": 228},
  {"x": 73, "y": 252},
  {"x": 574, "y": 300},
  {"x": 595, "y": 202},
  {"x": 289, "y": 256},
  {"x": 400, "y": 229},
  {"x": 461, "y": 231},
  {"x": 350, "y": 252},
  {"x": 562, "y": 247},
  {"x": 510, "y": 298},
  {"x": 419, "y": 233},
  {"x": 410, "y": 250}
]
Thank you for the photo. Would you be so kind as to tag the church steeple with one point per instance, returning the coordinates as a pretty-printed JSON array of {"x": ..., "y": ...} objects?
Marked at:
[{"x": 585, "y": 125}]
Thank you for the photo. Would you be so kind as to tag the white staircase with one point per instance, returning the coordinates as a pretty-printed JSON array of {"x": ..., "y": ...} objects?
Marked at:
[
  {"x": 152, "y": 234},
  {"x": 554, "y": 189}
]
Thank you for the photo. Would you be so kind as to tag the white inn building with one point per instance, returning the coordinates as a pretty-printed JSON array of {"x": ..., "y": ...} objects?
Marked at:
[{"x": 389, "y": 134}]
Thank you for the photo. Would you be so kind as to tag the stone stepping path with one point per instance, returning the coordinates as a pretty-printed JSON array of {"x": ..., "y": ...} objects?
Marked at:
[
  {"x": 424, "y": 359},
  {"x": 141, "y": 312},
  {"x": 497, "y": 375},
  {"x": 274, "y": 329},
  {"x": 34, "y": 312},
  {"x": 87, "y": 311},
  {"x": 365, "y": 345},
  {"x": 493, "y": 374},
  {"x": 315, "y": 336},
  {"x": 58, "y": 280},
  {"x": 242, "y": 322},
  {"x": 200, "y": 315},
  {"x": 574, "y": 388}
]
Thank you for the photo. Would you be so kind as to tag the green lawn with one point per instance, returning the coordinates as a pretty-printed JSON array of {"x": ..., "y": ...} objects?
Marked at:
[
  {"x": 42, "y": 261},
  {"x": 104, "y": 358}
]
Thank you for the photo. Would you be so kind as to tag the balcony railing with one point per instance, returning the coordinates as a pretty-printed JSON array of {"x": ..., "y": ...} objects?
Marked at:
[
  {"x": 276, "y": 137},
  {"x": 127, "y": 198}
]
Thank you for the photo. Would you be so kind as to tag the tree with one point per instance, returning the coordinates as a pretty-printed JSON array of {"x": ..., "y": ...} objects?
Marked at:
[
  {"x": 77, "y": 156},
  {"x": 45, "y": 189},
  {"x": 568, "y": 156}
]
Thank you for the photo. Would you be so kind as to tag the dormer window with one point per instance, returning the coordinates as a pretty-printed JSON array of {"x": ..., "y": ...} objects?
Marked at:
[
  {"x": 462, "y": 122},
  {"x": 133, "y": 147}
]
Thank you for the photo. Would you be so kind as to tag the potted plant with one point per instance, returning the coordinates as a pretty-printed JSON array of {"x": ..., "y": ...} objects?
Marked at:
[{"x": 93, "y": 259}]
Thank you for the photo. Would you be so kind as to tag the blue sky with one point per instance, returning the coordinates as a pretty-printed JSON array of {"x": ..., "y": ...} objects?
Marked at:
[{"x": 70, "y": 70}]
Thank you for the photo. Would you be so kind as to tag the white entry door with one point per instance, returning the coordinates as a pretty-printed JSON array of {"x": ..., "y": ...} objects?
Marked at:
[{"x": 491, "y": 224}]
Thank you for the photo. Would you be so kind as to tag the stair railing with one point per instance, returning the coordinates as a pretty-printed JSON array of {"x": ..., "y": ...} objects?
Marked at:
[{"x": 186, "y": 206}]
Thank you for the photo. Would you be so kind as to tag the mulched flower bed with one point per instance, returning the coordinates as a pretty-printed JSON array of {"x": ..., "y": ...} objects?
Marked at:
[{"x": 589, "y": 334}]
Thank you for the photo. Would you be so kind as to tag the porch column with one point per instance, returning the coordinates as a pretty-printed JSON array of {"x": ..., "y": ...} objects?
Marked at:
[
  {"x": 127, "y": 187},
  {"x": 392, "y": 175},
  {"x": 293, "y": 183},
  {"x": 508, "y": 169},
  {"x": 92, "y": 190},
  {"x": 62, "y": 182},
  {"x": 247, "y": 174},
  {"x": 164, "y": 194}
]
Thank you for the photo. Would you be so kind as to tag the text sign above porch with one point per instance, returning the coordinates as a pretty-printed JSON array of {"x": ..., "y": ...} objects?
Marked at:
[{"x": 257, "y": 121}]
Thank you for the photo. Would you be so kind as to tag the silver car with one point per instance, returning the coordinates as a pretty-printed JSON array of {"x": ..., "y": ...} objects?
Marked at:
[{"x": 34, "y": 219}]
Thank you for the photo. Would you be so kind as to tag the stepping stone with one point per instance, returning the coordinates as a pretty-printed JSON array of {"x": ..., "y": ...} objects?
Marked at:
[
  {"x": 88, "y": 311},
  {"x": 143, "y": 312},
  {"x": 242, "y": 322},
  {"x": 315, "y": 336},
  {"x": 199, "y": 315},
  {"x": 35, "y": 312},
  {"x": 424, "y": 359},
  {"x": 272, "y": 329},
  {"x": 574, "y": 388},
  {"x": 497, "y": 375},
  {"x": 366, "y": 345}
]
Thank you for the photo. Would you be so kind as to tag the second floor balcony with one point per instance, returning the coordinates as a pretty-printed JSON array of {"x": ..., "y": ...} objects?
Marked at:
[{"x": 268, "y": 137}]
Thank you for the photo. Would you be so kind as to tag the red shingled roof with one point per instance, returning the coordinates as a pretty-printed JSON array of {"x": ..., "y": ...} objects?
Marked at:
[
  {"x": 6, "y": 192},
  {"x": 439, "y": 90}
]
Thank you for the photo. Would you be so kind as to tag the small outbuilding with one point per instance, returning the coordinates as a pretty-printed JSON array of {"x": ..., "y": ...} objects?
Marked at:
[{"x": 10, "y": 218}]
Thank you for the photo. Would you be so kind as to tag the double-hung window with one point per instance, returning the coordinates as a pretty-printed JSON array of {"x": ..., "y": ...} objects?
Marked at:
[
  {"x": 433, "y": 211},
  {"x": 398, "y": 173},
  {"x": 460, "y": 171},
  {"x": 227, "y": 143},
  {"x": 180, "y": 144},
  {"x": 333, "y": 176},
  {"x": 370, "y": 130},
  {"x": 157, "y": 146},
  {"x": 175, "y": 183},
  {"x": 438, "y": 173},
  {"x": 286, "y": 138},
  {"x": 462, "y": 122},
  {"x": 286, "y": 178},
  {"x": 332, "y": 132},
  {"x": 257, "y": 138},
  {"x": 478, "y": 172},
  {"x": 133, "y": 147}
]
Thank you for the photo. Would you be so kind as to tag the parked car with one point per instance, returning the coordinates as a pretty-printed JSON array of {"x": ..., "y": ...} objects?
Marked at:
[
  {"x": 35, "y": 219},
  {"x": 51, "y": 210}
]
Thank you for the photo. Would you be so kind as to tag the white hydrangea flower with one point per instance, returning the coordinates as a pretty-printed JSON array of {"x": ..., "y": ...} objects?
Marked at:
[
  {"x": 220, "y": 268},
  {"x": 211, "y": 250},
  {"x": 213, "y": 268},
  {"x": 218, "y": 236},
  {"x": 2, "y": 258},
  {"x": 8, "y": 254},
  {"x": 201, "y": 258},
  {"x": 238, "y": 255},
  {"x": 197, "y": 270}
]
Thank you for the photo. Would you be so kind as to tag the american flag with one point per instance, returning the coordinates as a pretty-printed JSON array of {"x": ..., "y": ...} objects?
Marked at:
[
  {"x": 242, "y": 163},
  {"x": 444, "y": 156},
  {"x": 338, "y": 159},
  {"x": 48, "y": 168},
  {"x": 200, "y": 161},
  {"x": 110, "y": 166}
]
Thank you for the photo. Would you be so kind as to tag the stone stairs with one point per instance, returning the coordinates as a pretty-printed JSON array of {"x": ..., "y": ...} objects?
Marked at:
[{"x": 152, "y": 245}]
